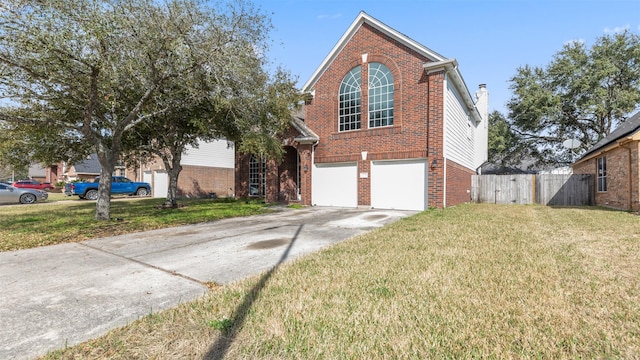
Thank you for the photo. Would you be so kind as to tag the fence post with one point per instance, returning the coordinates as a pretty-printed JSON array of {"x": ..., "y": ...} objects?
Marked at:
[{"x": 533, "y": 189}]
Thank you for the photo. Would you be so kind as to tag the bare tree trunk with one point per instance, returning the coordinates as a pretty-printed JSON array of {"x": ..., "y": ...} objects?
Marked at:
[
  {"x": 103, "y": 203},
  {"x": 173, "y": 168}
]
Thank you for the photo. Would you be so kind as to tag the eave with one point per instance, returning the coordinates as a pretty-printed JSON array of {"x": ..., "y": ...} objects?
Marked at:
[
  {"x": 450, "y": 67},
  {"x": 361, "y": 19}
]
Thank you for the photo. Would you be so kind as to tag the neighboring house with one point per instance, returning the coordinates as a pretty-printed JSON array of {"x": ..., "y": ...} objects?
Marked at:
[
  {"x": 615, "y": 165},
  {"x": 206, "y": 170},
  {"x": 84, "y": 170},
  {"x": 389, "y": 124}
]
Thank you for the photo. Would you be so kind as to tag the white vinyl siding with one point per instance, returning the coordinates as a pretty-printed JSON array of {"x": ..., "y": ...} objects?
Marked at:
[
  {"x": 335, "y": 185},
  {"x": 216, "y": 153},
  {"x": 459, "y": 129}
]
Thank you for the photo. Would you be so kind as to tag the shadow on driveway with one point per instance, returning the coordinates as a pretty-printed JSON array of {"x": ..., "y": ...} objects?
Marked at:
[{"x": 219, "y": 349}]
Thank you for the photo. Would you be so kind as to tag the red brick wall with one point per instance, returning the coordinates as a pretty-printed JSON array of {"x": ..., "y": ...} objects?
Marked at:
[
  {"x": 623, "y": 178},
  {"x": 418, "y": 112},
  {"x": 281, "y": 176},
  {"x": 242, "y": 175},
  {"x": 410, "y": 107},
  {"x": 435, "y": 136},
  {"x": 200, "y": 181},
  {"x": 458, "y": 183}
]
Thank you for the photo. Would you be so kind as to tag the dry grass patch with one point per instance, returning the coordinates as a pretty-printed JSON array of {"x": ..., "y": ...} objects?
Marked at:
[
  {"x": 29, "y": 226},
  {"x": 474, "y": 281}
]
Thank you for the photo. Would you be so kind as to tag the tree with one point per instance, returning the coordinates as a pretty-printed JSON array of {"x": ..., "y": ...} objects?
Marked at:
[
  {"x": 96, "y": 69},
  {"x": 582, "y": 94},
  {"x": 253, "y": 121}
]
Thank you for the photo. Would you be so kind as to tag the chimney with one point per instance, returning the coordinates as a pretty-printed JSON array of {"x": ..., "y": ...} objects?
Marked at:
[
  {"x": 482, "y": 102},
  {"x": 482, "y": 105}
]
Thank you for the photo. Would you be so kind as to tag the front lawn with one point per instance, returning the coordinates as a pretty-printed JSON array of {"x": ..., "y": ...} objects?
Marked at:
[
  {"x": 473, "y": 281},
  {"x": 57, "y": 221}
]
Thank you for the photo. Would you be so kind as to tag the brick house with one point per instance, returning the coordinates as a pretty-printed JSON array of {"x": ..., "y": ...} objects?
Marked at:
[
  {"x": 389, "y": 124},
  {"x": 614, "y": 163},
  {"x": 206, "y": 169}
]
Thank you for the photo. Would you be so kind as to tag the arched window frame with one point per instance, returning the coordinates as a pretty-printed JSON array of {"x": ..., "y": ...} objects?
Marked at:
[
  {"x": 349, "y": 100},
  {"x": 380, "y": 96}
]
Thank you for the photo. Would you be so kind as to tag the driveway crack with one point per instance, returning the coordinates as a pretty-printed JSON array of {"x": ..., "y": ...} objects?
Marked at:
[{"x": 147, "y": 265}]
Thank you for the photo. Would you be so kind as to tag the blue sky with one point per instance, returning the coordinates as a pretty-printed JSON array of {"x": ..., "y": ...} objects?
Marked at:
[{"x": 489, "y": 38}]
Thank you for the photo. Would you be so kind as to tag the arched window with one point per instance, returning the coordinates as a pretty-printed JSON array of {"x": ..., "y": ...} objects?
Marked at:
[
  {"x": 350, "y": 88},
  {"x": 380, "y": 96}
]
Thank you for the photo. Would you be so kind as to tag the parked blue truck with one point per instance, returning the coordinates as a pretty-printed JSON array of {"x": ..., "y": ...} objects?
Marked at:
[{"x": 120, "y": 185}]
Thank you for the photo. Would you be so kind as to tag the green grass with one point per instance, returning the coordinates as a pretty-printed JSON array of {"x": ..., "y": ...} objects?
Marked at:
[
  {"x": 59, "y": 221},
  {"x": 474, "y": 281}
]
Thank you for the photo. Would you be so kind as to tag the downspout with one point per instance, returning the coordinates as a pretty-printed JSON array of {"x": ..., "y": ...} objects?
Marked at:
[
  {"x": 313, "y": 161},
  {"x": 444, "y": 181},
  {"x": 428, "y": 175},
  {"x": 627, "y": 145},
  {"x": 629, "y": 181}
]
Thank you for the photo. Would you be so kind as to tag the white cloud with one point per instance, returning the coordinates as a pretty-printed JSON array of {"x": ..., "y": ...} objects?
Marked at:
[
  {"x": 329, "y": 16},
  {"x": 617, "y": 29}
]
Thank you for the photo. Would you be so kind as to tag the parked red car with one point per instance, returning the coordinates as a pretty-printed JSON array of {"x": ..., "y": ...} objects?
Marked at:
[{"x": 33, "y": 184}]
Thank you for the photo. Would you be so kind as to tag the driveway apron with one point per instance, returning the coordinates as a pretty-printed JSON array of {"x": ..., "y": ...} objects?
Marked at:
[{"x": 62, "y": 295}]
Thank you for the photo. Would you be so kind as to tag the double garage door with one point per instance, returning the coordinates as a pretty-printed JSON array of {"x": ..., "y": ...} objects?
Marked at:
[{"x": 400, "y": 184}]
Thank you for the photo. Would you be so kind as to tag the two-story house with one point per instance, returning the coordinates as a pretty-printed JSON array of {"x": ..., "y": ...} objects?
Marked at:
[{"x": 389, "y": 123}]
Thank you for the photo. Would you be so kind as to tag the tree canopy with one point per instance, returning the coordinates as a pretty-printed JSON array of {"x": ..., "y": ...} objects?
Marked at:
[
  {"x": 582, "y": 94},
  {"x": 90, "y": 71}
]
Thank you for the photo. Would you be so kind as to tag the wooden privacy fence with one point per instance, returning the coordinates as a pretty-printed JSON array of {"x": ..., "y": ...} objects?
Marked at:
[{"x": 544, "y": 189}]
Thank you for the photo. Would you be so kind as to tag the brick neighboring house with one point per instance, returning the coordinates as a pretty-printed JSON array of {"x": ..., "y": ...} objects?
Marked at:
[
  {"x": 614, "y": 163},
  {"x": 390, "y": 124},
  {"x": 87, "y": 169},
  {"x": 206, "y": 169}
]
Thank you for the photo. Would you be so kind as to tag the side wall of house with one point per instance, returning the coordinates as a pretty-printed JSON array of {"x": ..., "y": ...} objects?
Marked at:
[
  {"x": 459, "y": 133},
  {"x": 202, "y": 181},
  {"x": 208, "y": 168},
  {"x": 623, "y": 177},
  {"x": 458, "y": 183}
]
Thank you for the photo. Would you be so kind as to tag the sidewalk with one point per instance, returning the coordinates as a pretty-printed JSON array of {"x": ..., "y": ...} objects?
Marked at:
[{"x": 62, "y": 295}]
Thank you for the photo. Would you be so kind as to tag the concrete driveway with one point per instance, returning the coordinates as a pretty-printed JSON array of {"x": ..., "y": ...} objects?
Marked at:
[{"x": 62, "y": 295}]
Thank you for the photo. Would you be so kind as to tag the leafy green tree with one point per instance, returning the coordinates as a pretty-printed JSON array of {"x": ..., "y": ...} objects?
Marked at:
[
  {"x": 583, "y": 94},
  {"x": 502, "y": 141},
  {"x": 253, "y": 121},
  {"x": 94, "y": 70}
]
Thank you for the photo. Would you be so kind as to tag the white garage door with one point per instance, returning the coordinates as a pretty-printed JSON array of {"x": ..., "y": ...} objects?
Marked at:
[
  {"x": 335, "y": 185},
  {"x": 399, "y": 184},
  {"x": 160, "y": 187}
]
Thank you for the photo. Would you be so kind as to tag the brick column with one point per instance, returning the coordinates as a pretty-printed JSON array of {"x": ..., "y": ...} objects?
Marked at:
[{"x": 435, "y": 139}]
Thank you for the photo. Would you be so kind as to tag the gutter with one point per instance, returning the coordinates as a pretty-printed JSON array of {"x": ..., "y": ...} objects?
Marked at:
[{"x": 450, "y": 66}]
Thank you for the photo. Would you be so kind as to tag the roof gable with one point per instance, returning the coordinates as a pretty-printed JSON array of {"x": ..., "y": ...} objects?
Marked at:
[
  {"x": 437, "y": 61},
  {"x": 378, "y": 25}
]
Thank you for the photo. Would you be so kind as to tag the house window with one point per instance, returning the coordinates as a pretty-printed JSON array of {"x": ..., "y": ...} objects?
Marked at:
[
  {"x": 602, "y": 173},
  {"x": 349, "y": 101},
  {"x": 257, "y": 176},
  {"x": 380, "y": 96}
]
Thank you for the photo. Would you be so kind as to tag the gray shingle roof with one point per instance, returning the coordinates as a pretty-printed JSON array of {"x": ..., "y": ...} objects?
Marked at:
[
  {"x": 306, "y": 134},
  {"x": 90, "y": 166},
  {"x": 627, "y": 128}
]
